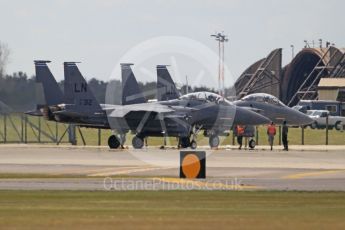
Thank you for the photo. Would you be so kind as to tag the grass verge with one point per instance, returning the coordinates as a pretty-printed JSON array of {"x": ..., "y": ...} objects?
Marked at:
[{"x": 171, "y": 210}]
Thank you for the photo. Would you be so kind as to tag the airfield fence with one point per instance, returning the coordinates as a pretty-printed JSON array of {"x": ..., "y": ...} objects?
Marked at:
[{"x": 22, "y": 128}]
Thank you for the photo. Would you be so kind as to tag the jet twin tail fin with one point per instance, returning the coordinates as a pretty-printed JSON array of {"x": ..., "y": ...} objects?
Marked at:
[
  {"x": 131, "y": 93},
  {"x": 166, "y": 88},
  {"x": 77, "y": 91},
  {"x": 52, "y": 93}
]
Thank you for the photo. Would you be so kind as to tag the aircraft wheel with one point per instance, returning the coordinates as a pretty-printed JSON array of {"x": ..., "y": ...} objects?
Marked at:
[
  {"x": 184, "y": 142},
  {"x": 252, "y": 144},
  {"x": 338, "y": 125},
  {"x": 193, "y": 144},
  {"x": 314, "y": 125},
  {"x": 213, "y": 141},
  {"x": 138, "y": 142},
  {"x": 113, "y": 142}
]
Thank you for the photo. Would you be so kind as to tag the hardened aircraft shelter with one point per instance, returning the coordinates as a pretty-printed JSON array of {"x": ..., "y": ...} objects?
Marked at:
[{"x": 297, "y": 80}]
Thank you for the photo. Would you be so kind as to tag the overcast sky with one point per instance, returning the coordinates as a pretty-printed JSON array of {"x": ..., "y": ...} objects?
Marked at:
[{"x": 98, "y": 33}]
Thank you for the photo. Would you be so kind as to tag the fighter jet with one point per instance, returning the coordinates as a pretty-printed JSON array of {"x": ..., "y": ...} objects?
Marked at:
[
  {"x": 55, "y": 99},
  {"x": 179, "y": 118},
  {"x": 264, "y": 104},
  {"x": 271, "y": 107}
]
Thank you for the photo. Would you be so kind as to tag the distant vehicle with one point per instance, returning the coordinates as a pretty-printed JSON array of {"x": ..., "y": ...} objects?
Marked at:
[
  {"x": 320, "y": 117},
  {"x": 335, "y": 108}
]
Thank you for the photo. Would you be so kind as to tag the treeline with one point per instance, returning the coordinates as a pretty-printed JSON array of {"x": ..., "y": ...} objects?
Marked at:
[
  {"x": 20, "y": 93},
  {"x": 17, "y": 92}
]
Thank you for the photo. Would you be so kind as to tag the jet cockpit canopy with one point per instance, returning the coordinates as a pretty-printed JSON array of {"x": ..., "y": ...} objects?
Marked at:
[
  {"x": 264, "y": 98},
  {"x": 205, "y": 96}
]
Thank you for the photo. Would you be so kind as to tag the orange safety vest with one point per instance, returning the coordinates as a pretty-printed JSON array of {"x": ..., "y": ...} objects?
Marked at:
[
  {"x": 240, "y": 130},
  {"x": 271, "y": 130}
]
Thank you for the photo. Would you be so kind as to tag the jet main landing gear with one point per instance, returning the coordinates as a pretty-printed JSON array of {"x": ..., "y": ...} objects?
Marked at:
[
  {"x": 113, "y": 142},
  {"x": 252, "y": 143},
  {"x": 138, "y": 142},
  {"x": 116, "y": 141}
]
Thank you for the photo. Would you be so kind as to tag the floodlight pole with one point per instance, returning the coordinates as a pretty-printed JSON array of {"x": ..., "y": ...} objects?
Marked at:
[
  {"x": 292, "y": 51},
  {"x": 223, "y": 61},
  {"x": 187, "y": 85},
  {"x": 221, "y": 38},
  {"x": 219, "y": 69}
]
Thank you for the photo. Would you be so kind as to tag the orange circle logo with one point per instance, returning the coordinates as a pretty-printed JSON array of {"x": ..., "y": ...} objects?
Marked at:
[{"x": 191, "y": 166}]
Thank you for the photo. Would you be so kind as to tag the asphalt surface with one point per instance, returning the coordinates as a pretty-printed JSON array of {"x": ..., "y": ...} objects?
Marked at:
[{"x": 34, "y": 167}]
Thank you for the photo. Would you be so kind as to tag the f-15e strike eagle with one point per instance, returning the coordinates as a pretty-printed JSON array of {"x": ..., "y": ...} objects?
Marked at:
[{"x": 181, "y": 117}]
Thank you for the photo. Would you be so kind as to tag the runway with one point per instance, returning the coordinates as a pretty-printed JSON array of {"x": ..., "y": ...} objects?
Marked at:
[{"x": 33, "y": 167}]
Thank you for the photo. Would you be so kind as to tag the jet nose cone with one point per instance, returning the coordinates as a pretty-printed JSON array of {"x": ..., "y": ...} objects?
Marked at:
[
  {"x": 247, "y": 117},
  {"x": 300, "y": 118},
  {"x": 307, "y": 120}
]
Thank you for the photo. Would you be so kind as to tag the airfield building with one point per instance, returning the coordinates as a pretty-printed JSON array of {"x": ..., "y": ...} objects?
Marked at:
[
  {"x": 331, "y": 89},
  {"x": 296, "y": 81}
]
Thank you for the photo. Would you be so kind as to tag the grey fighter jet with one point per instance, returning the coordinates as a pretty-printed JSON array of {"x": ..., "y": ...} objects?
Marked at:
[
  {"x": 264, "y": 104},
  {"x": 179, "y": 117},
  {"x": 271, "y": 107},
  {"x": 55, "y": 99}
]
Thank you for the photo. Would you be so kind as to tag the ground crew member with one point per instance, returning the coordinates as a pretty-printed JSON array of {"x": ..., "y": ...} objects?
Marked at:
[
  {"x": 240, "y": 133},
  {"x": 285, "y": 136},
  {"x": 271, "y": 132}
]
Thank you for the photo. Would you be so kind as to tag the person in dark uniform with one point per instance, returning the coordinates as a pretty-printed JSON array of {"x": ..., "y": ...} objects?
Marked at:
[{"x": 285, "y": 136}]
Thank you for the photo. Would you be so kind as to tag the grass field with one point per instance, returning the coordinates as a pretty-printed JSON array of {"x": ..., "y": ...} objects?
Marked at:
[
  {"x": 311, "y": 137},
  {"x": 171, "y": 210}
]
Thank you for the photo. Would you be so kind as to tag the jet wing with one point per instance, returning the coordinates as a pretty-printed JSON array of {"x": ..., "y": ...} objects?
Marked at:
[
  {"x": 145, "y": 107},
  {"x": 73, "y": 113},
  {"x": 176, "y": 116},
  {"x": 69, "y": 113},
  {"x": 36, "y": 113}
]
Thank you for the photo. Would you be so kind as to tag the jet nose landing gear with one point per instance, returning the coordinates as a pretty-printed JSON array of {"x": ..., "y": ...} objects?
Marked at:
[
  {"x": 213, "y": 141},
  {"x": 193, "y": 144},
  {"x": 184, "y": 142}
]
